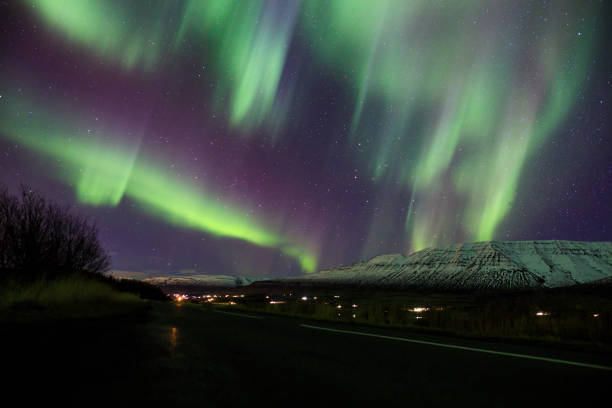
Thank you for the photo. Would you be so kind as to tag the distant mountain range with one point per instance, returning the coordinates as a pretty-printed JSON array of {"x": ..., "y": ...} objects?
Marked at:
[
  {"x": 208, "y": 281},
  {"x": 479, "y": 265}
]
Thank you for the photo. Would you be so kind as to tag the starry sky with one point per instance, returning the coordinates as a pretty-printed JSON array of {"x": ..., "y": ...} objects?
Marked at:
[{"x": 276, "y": 138}]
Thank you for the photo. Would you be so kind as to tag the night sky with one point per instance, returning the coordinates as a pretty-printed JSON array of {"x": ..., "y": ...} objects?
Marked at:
[{"x": 275, "y": 138}]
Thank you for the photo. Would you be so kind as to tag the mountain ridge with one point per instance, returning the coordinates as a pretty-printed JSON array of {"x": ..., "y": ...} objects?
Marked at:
[{"x": 479, "y": 265}]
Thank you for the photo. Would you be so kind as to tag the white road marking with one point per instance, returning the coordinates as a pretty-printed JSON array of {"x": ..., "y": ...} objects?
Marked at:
[
  {"x": 452, "y": 346},
  {"x": 239, "y": 314}
]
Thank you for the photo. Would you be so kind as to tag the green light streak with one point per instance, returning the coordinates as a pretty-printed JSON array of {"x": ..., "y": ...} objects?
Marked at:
[
  {"x": 307, "y": 261},
  {"x": 244, "y": 43},
  {"x": 104, "y": 172},
  {"x": 113, "y": 31},
  {"x": 465, "y": 101},
  {"x": 438, "y": 86},
  {"x": 258, "y": 36}
]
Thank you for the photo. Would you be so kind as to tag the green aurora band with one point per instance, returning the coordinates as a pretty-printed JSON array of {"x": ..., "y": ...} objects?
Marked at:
[
  {"x": 105, "y": 171},
  {"x": 464, "y": 102},
  {"x": 244, "y": 43},
  {"x": 109, "y": 29}
]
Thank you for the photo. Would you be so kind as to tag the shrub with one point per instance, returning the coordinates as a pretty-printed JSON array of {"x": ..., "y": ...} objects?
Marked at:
[{"x": 39, "y": 238}]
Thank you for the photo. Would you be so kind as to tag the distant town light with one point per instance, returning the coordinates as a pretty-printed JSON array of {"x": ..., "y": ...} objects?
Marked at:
[
  {"x": 304, "y": 298},
  {"x": 542, "y": 313},
  {"x": 595, "y": 314},
  {"x": 418, "y": 309}
]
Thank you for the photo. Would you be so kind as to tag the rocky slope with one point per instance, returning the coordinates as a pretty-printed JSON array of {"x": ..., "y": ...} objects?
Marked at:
[{"x": 479, "y": 265}]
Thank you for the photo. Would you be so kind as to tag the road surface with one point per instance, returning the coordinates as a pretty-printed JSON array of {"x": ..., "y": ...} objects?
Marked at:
[{"x": 194, "y": 354}]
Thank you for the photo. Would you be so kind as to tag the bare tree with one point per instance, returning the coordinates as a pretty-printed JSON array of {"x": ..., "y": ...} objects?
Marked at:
[{"x": 41, "y": 238}]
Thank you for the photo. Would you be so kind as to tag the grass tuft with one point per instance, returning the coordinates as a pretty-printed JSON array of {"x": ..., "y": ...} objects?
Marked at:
[{"x": 68, "y": 297}]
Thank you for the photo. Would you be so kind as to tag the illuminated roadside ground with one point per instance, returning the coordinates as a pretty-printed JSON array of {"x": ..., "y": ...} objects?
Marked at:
[{"x": 104, "y": 171}]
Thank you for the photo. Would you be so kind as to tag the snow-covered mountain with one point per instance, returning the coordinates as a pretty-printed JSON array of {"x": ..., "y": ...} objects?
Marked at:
[
  {"x": 211, "y": 281},
  {"x": 493, "y": 264}
]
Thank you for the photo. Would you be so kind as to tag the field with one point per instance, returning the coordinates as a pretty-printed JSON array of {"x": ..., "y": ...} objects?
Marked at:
[{"x": 572, "y": 317}]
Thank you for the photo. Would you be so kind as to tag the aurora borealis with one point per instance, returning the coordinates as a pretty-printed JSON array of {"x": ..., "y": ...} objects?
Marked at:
[{"x": 273, "y": 138}]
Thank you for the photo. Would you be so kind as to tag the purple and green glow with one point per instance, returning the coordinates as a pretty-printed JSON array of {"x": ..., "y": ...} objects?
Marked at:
[{"x": 297, "y": 135}]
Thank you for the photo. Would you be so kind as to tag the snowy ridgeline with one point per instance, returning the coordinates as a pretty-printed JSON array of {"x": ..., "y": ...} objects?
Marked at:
[
  {"x": 222, "y": 281},
  {"x": 500, "y": 265}
]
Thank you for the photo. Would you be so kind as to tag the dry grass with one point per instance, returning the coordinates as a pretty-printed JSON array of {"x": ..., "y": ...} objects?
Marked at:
[{"x": 69, "y": 297}]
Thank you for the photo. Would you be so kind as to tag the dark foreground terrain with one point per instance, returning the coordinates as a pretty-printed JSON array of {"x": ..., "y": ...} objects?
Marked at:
[{"x": 193, "y": 353}]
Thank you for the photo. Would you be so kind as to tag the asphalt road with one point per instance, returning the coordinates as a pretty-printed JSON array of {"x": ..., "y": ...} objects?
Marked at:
[{"x": 192, "y": 354}]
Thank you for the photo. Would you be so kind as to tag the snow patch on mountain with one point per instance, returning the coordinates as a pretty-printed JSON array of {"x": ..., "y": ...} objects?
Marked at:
[{"x": 491, "y": 264}]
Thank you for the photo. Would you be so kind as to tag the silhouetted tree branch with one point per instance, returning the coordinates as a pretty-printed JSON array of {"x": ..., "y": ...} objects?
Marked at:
[{"x": 41, "y": 238}]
